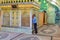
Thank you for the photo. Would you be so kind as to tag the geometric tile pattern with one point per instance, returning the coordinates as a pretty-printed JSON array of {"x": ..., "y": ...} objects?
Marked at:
[
  {"x": 3, "y": 35},
  {"x": 26, "y": 37},
  {"x": 30, "y": 38},
  {"x": 21, "y": 36},
  {"x": 8, "y": 35},
  {"x": 48, "y": 31}
]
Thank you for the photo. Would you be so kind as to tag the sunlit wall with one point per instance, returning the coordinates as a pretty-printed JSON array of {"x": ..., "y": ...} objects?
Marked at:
[
  {"x": 50, "y": 9},
  {"x": 51, "y": 14}
]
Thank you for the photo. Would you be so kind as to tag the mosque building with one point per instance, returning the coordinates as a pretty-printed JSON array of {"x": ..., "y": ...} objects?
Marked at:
[{"x": 16, "y": 15}]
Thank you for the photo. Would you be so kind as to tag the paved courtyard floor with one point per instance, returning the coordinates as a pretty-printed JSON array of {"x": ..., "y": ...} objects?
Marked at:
[
  {"x": 50, "y": 30},
  {"x": 8, "y": 35},
  {"x": 47, "y": 32},
  {"x": 21, "y": 36}
]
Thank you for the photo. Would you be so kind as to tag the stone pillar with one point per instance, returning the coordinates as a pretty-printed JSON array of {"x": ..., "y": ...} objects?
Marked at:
[
  {"x": 2, "y": 16},
  {"x": 31, "y": 18},
  {"x": 19, "y": 18},
  {"x": 10, "y": 18}
]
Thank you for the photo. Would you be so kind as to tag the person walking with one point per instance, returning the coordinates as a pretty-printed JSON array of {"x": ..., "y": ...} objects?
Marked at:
[{"x": 34, "y": 21}]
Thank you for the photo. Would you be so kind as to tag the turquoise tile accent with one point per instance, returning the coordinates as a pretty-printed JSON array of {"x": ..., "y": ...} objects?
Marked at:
[{"x": 17, "y": 30}]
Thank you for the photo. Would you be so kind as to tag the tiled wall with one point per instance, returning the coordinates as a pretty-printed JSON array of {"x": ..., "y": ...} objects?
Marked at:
[
  {"x": 51, "y": 14},
  {"x": 17, "y": 30}
]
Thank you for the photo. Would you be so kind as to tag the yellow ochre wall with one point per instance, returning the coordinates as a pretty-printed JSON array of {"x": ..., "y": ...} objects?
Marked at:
[
  {"x": 20, "y": 7},
  {"x": 41, "y": 19}
]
